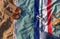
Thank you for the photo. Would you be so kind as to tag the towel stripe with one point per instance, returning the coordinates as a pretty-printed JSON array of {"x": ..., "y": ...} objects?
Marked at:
[
  {"x": 36, "y": 21},
  {"x": 49, "y": 17}
]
